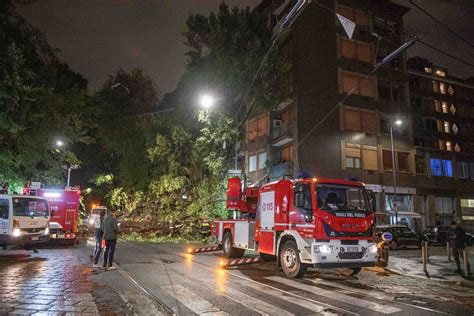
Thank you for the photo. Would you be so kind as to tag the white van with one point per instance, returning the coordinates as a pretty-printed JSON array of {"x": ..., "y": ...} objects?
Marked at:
[
  {"x": 95, "y": 215},
  {"x": 24, "y": 220}
]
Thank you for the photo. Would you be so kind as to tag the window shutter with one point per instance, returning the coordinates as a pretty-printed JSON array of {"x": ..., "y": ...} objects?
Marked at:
[
  {"x": 352, "y": 152},
  {"x": 387, "y": 160},
  {"x": 402, "y": 161},
  {"x": 369, "y": 159},
  {"x": 369, "y": 122},
  {"x": 363, "y": 52},
  {"x": 352, "y": 119},
  {"x": 348, "y": 48},
  {"x": 349, "y": 81}
]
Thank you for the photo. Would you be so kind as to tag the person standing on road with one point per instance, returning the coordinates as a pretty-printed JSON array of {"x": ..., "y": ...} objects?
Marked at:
[
  {"x": 110, "y": 237},
  {"x": 457, "y": 239},
  {"x": 99, "y": 232}
]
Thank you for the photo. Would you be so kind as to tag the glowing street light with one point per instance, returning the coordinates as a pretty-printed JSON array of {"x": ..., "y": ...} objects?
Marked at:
[
  {"x": 59, "y": 143},
  {"x": 398, "y": 122},
  {"x": 207, "y": 101}
]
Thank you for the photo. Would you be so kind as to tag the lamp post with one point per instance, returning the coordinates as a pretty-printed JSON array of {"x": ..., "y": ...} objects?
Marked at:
[
  {"x": 59, "y": 143},
  {"x": 397, "y": 122}
]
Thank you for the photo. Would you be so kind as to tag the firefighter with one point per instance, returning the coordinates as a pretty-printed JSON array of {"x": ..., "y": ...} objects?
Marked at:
[{"x": 205, "y": 229}]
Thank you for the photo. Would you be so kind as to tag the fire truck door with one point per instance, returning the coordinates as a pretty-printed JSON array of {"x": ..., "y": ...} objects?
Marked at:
[
  {"x": 300, "y": 209},
  {"x": 266, "y": 214}
]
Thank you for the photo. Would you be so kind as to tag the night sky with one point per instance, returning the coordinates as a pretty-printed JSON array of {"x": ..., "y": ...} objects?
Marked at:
[{"x": 96, "y": 37}]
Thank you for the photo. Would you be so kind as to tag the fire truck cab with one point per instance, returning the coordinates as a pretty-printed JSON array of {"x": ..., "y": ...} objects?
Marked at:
[
  {"x": 64, "y": 210},
  {"x": 321, "y": 223}
]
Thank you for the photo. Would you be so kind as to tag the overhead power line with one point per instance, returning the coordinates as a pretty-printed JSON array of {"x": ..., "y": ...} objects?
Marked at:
[{"x": 441, "y": 24}]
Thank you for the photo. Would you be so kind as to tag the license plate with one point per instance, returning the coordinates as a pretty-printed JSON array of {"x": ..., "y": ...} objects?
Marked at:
[
  {"x": 352, "y": 249},
  {"x": 34, "y": 238}
]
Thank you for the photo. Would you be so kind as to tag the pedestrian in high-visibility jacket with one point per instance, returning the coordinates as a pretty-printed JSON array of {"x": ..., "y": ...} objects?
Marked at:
[{"x": 110, "y": 237}]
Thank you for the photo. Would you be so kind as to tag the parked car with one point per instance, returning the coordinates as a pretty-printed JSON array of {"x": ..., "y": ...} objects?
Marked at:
[
  {"x": 437, "y": 234},
  {"x": 402, "y": 236}
]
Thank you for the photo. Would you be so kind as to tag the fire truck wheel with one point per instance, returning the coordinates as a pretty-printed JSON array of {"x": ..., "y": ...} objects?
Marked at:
[
  {"x": 290, "y": 260},
  {"x": 228, "y": 248}
]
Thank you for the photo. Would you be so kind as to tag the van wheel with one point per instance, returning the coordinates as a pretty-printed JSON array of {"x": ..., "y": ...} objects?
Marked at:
[
  {"x": 290, "y": 260},
  {"x": 228, "y": 248},
  {"x": 350, "y": 271}
]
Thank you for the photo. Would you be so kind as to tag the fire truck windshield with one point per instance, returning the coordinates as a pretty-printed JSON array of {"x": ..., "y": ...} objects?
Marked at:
[
  {"x": 25, "y": 206},
  {"x": 342, "y": 198}
]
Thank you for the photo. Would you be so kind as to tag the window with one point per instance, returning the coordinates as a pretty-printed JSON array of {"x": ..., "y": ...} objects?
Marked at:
[
  {"x": 471, "y": 170},
  {"x": 446, "y": 127},
  {"x": 25, "y": 206},
  {"x": 452, "y": 109},
  {"x": 402, "y": 161},
  {"x": 457, "y": 148},
  {"x": 369, "y": 159},
  {"x": 356, "y": 50},
  {"x": 445, "y": 107},
  {"x": 428, "y": 70},
  {"x": 449, "y": 146},
  {"x": 435, "y": 86},
  {"x": 257, "y": 127},
  {"x": 440, "y": 73},
  {"x": 262, "y": 159},
  {"x": 441, "y": 167},
  {"x": 435, "y": 167},
  {"x": 442, "y": 88},
  {"x": 463, "y": 170},
  {"x": 444, "y": 205},
  {"x": 441, "y": 144},
  {"x": 387, "y": 160},
  {"x": 4, "y": 208},
  {"x": 352, "y": 157},
  {"x": 437, "y": 105},
  {"x": 362, "y": 85},
  {"x": 287, "y": 154},
  {"x": 252, "y": 163},
  {"x": 420, "y": 165},
  {"x": 450, "y": 90},
  {"x": 360, "y": 120},
  {"x": 302, "y": 197}
]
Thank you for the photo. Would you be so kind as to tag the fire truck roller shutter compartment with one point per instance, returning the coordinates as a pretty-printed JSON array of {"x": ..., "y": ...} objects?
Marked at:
[{"x": 266, "y": 214}]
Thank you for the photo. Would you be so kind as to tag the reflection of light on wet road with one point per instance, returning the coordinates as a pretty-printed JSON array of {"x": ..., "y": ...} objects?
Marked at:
[
  {"x": 188, "y": 260},
  {"x": 221, "y": 277}
]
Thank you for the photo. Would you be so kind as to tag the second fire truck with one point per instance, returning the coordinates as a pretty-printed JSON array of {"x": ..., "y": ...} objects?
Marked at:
[{"x": 321, "y": 223}]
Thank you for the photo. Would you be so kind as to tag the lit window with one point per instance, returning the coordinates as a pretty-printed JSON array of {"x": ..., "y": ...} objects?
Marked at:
[
  {"x": 442, "y": 88},
  {"x": 440, "y": 73},
  {"x": 449, "y": 146},
  {"x": 262, "y": 159},
  {"x": 435, "y": 86},
  {"x": 447, "y": 168},
  {"x": 445, "y": 107},
  {"x": 437, "y": 105},
  {"x": 428, "y": 70},
  {"x": 450, "y": 90},
  {"x": 455, "y": 129},
  {"x": 446, "y": 127},
  {"x": 452, "y": 109},
  {"x": 435, "y": 167},
  {"x": 252, "y": 163}
]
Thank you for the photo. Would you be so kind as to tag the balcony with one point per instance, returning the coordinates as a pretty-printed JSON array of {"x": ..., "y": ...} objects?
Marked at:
[
  {"x": 280, "y": 170},
  {"x": 282, "y": 135}
]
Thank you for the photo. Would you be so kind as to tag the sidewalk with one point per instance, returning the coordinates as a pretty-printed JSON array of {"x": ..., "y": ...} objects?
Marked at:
[{"x": 439, "y": 268}]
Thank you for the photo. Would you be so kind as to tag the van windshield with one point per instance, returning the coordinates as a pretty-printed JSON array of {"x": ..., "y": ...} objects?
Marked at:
[
  {"x": 96, "y": 211},
  {"x": 342, "y": 199},
  {"x": 32, "y": 207}
]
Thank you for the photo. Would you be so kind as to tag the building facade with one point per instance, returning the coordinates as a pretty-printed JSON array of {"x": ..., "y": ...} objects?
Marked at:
[
  {"x": 443, "y": 116},
  {"x": 339, "y": 119}
]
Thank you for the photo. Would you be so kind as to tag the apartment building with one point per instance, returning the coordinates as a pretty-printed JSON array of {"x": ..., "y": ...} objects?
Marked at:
[
  {"x": 323, "y": 131},
  {"x": 443, "y": 121}
]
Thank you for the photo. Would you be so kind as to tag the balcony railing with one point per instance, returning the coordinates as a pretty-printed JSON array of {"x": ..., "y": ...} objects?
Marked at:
[
  {"x": 280, "y": 170},
  {"x": 284, "y": 129}
]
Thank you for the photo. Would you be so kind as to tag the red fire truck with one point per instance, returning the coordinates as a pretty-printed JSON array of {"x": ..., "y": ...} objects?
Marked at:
[
  {"x": 321, "y": 223},
  {"x": 64, "y": 209}
]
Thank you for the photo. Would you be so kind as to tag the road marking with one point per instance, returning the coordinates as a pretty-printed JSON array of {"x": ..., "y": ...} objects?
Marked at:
[
  {"x": 195, "y": 303},
  {"x": 382, "y": 308},
  {"x": 294, "y": 300}
]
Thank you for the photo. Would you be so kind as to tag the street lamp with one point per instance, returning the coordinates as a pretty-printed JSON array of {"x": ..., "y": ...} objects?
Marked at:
[
  {"x": 207, "y": 101},
  {"x": 59, "y": 143},
  {"x": 397, "y": 122}
]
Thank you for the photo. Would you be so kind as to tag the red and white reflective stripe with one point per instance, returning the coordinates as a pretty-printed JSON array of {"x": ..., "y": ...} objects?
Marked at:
[
  {"x": 206, "y": 249},
  {"x": 238, "y": 262}
]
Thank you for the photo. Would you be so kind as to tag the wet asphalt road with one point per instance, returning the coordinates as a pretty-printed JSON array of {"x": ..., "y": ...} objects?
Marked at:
[{"x": 164, "y": 279}]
